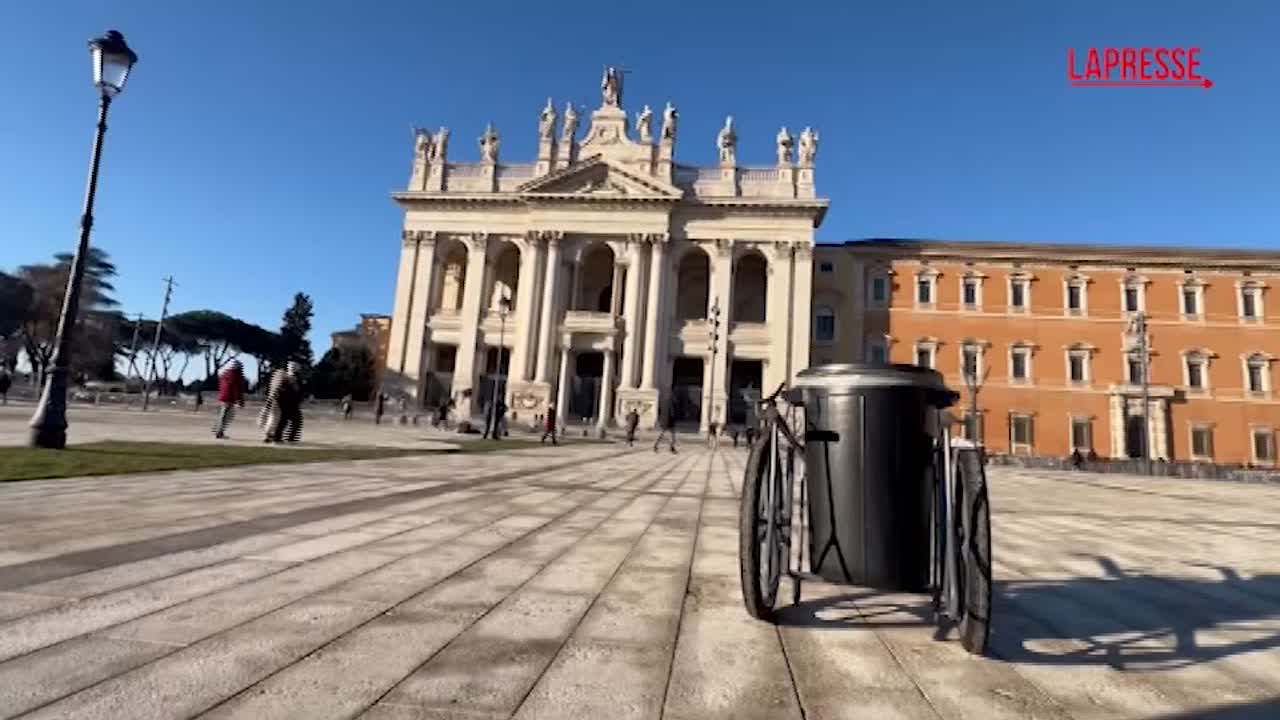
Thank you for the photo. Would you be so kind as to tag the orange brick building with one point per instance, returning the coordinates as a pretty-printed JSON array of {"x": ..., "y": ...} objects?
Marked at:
[
  {"x": 374, "y": 332},
  {"x": 1047, "y": 330}
]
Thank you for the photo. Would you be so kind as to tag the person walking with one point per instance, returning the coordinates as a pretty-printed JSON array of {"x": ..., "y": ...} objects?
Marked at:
[
  {"x": 713, "y": 436},
  {"x": 231, "y": 387},
  {"x": 500, "y": 419},
  {"x": 549, "y": 425},
  {"x": 668, "y": 428},
  {"x": 379, "y": 407},
  {"x": 345, "y": 404},
  {"x": 288, "y": 403},
  {"x": 633, "y": 422},
  {"x": 6, "y": 382}
]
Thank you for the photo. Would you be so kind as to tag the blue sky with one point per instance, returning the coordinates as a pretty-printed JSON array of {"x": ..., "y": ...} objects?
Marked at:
[{"x": 254, "y": 149}]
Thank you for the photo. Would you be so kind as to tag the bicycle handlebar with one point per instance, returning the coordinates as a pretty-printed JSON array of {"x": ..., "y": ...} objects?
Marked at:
[{"x": 775, "y": 394}]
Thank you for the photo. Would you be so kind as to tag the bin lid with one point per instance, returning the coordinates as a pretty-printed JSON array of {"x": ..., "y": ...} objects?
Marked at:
[{"x": 859, "y": 376}]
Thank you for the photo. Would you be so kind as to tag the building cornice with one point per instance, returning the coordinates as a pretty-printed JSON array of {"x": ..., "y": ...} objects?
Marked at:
[{"x": 1123, "y": 255}]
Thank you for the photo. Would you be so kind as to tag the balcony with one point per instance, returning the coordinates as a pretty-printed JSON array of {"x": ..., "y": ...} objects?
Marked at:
[{"x": 590, "y": 321}]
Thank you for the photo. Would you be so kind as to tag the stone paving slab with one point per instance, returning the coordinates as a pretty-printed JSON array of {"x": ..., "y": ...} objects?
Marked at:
[{"x": 577, "y": 582}]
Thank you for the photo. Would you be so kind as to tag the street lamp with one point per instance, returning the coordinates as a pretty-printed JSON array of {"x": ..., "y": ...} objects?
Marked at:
[
  {"x": 713, "y": 328},
  {"x": 112, "y": 61},
  {"x": 504, "y": 307},
  {"x": 1137, "y": 337}
]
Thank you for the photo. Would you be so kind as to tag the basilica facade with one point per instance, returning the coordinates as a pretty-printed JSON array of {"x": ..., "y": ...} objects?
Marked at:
[{"x": 604, "y": 276}]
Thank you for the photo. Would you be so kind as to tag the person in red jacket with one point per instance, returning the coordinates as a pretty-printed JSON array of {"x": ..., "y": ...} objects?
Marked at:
[{"x": 231, "y": 387}]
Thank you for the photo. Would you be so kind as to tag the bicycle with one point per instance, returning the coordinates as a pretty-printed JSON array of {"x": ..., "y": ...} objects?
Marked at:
[{"x": 960, "y": 522}]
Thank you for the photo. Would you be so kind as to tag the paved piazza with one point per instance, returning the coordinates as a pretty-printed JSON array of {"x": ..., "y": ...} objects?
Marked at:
[{"x": 592, "y": 582}]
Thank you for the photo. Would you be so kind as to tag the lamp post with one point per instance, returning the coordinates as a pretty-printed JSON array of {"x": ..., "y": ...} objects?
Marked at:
[
  {"x": 714, "y": 336},
  {"x": 504, "y": 306},
  {"x": 1138, "y": 338},
  {"x": 112, "y": 61}
]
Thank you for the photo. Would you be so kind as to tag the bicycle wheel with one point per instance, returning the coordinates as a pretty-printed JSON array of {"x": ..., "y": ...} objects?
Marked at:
[
  {"x": 974, "y": 560},
  {"x": 760, "y": 543}
]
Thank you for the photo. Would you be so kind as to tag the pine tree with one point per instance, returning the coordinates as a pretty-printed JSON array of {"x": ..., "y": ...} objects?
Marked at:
[{"x": 294, "y": 328}]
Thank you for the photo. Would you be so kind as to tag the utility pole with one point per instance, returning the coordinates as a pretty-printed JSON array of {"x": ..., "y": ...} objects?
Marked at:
[{"x": 155, "y": 346}]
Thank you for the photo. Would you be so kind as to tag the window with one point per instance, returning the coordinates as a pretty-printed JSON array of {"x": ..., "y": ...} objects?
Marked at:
[
  {"x": 1255, "y": 372},
  {"x": 879, "y": 290},
  {"x": 1077, "y": 368},
  {"x": 1264, "y": 446},
  {"x": 1192, "y": 299},
  {"x": 969, "y": 362},
  {"x": 1020, "y": 433},
  {"x": 1250, "y": 300},
  {"x": 1134, "y": 369},
  {"x": 1131, "y": 303},
  {"x": 824, "y": 325},
  {"x": 1019, "y": 290},
  {"x": 924, "y": 354},
  {"x": 1075, "y": 294},
  {"x": 877, "y": 354},
  {"x": 1019, "y": 364},
  {"x": 1202, "y": 442},
  {"x": 924, "y": 290},
  {"x": 1195, "y": 372},
  {"x": 1081, "y": 434},
  {"x": 826, "y": 267},
  {"x": 969, "y": 292}
]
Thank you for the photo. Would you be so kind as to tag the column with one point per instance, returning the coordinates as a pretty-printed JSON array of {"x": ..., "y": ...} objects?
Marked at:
[
  {"x": 777, "y": 310},
  {"x": 419, "y": 313},
  {"x": 722, "y": 289},
  {"x": 526, "y": 297},
  {"x": 631, "y": 320},
  {"x": 1117, "y": 415},
  {"x": 547, "y": 326},
  {"x": 654, "y": 329},
  {"x": 466, "y": 368},
  {"x": 615, "y": 292},
  {"x": 605, "y": 414},
  {"x": 802, "y": 315},
  {"x": 403, "y": 300},
  {"x": 562, "y": 389}
]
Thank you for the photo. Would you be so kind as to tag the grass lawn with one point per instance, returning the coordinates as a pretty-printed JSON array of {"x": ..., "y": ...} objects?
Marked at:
[{"x": 114, "y": 458}]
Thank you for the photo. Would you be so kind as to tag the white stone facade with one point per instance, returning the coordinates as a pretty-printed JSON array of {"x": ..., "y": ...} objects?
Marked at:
[{"x": 611, "y": 258}]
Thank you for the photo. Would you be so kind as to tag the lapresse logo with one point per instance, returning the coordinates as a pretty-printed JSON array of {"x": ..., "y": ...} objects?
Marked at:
[{"x": 1135, "y": 67}]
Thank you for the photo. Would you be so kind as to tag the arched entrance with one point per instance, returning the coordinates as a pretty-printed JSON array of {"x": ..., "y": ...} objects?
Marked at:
[{"x": 693, "y": 285}]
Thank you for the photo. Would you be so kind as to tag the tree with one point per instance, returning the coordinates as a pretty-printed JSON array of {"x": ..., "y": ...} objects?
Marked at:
[
  {"x": 94, "y": 345},
  {"x": 294, "y": 328},
  {"x": 15, "y": 305},
  {"x": 344, "y": 370}
]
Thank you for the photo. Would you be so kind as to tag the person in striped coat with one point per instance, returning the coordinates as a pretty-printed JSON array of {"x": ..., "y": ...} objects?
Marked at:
[{"x": 281, "y": 416}]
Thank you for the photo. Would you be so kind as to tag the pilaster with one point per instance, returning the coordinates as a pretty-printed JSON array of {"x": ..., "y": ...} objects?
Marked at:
[
  {"x": 778, "y": 312},
  {"x": 420, "y": 307},
  {"x": 631, "y": 312},
  {"x": 549, "y": 312},
  {"x": 655, "y": 330},
  {"x": 522, "y": 358},
  {"x": 802, "y": 312},
  {"x": 722, "y": 290},
  {"x": 466, "y": 369},
  {"x": 394, "y": 375}
]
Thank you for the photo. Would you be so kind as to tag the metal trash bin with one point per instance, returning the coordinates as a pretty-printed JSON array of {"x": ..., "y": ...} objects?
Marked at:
[{"x": 868, "y": 471}]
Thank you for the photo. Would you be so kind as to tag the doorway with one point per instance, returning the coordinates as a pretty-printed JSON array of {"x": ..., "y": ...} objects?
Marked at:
[
  {"x": 1134, "y": 437},
  {"x": 686, "y": 389},
  {"x": 584, "y": 386},
  {"x": 743, "y": 375}
]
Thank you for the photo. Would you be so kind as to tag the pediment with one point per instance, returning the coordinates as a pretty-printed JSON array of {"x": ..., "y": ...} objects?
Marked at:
[{"x": 599, "y": 178}]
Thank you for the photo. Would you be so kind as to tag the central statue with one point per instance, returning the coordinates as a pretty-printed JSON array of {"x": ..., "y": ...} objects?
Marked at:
[{"x": 611, "y": 87}]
